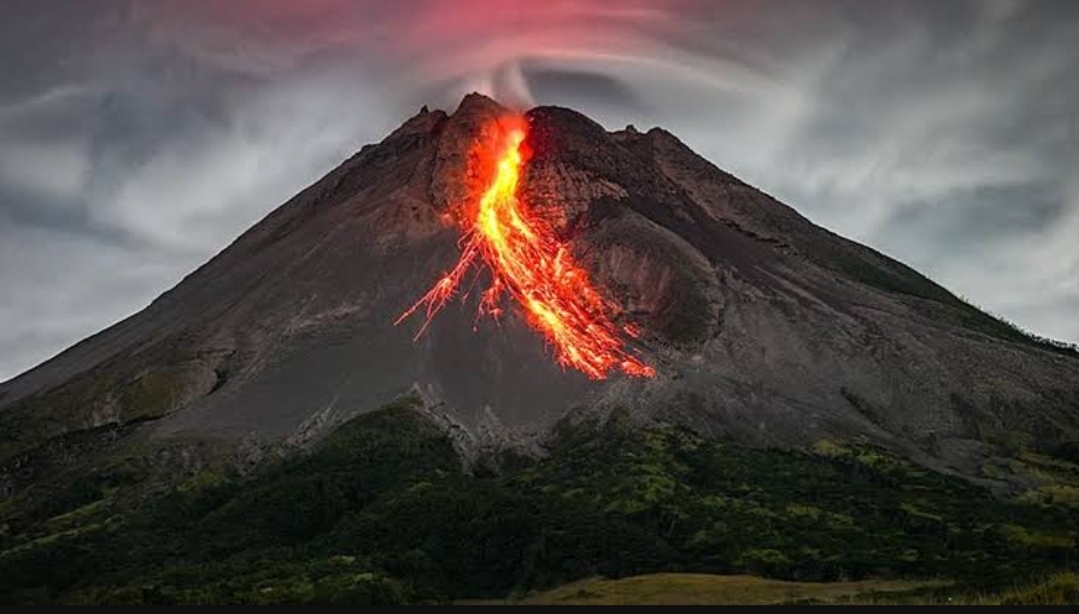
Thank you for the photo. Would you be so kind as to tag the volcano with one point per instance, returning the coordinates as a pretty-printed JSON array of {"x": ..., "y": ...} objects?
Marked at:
[{"x": 719, "y": 309}]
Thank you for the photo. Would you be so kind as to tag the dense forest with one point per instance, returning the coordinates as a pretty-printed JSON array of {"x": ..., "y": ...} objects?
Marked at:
[{"x": 385, "y": 511}]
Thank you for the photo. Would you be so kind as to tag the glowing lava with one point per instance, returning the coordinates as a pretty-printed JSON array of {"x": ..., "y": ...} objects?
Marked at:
[{"x": 528, "y": 262}]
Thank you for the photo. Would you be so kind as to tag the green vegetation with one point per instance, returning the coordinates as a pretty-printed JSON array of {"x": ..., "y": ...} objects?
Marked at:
[
  {"x": 383, "y": 511},
  {"x": 704, "y": 589},
  {"x": 1061, "y": 589},
  {"x": 1056, "y": 480}
]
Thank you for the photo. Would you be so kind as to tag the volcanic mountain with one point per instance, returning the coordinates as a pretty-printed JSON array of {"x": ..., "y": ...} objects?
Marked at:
[{"x": 748, "y": 322}]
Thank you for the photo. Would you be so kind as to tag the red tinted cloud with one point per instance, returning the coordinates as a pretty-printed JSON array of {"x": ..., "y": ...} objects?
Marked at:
[{"x": 476, "y": 43}]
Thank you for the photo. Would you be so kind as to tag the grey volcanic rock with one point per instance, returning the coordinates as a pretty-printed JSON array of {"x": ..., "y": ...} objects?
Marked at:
[{"x": 763, "y": 327}]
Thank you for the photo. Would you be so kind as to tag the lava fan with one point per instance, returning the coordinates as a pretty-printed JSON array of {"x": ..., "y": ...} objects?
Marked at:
[{"x": 528, "y": 262}]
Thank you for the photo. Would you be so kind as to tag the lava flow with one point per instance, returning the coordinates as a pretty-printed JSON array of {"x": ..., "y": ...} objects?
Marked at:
[{"x": 528, "y": 262}]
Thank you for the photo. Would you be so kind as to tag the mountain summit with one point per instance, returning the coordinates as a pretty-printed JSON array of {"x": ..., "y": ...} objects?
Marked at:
[{"x": 760, "y": 327}]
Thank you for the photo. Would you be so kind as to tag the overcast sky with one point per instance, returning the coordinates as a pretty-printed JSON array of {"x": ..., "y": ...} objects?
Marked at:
[{"x": 139, "y": 137}]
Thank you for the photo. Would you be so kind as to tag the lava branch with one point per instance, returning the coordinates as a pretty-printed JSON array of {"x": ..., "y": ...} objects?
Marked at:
[{"x": 528, "y": 262}]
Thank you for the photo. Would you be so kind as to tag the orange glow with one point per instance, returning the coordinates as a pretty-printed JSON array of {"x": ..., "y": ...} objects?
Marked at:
[{"x": 528, "y": 262}]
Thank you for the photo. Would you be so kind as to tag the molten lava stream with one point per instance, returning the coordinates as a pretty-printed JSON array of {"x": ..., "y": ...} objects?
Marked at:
[{"x": 529, "y": 263}]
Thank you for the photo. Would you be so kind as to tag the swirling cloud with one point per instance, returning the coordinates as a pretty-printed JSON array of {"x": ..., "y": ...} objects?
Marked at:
[{"x": 141, "y": 136}]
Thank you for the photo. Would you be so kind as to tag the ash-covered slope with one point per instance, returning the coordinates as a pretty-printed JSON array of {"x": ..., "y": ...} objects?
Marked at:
[{"x": 762, "y": 327}]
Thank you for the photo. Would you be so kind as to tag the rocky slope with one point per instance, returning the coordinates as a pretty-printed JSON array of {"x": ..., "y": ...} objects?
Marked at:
[{"x": 763, "y": 328}]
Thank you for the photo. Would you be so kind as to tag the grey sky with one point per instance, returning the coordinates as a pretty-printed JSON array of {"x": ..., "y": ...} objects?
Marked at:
[{"x": 138, "y": 137}]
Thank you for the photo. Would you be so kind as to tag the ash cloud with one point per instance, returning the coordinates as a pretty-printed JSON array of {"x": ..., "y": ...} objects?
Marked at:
[{"x": 137, "y": 138}]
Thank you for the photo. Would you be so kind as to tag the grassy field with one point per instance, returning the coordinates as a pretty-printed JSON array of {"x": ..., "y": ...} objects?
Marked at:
[
  {"x": 1061, "y": 589},
  {"x": 705, "y": 589}
]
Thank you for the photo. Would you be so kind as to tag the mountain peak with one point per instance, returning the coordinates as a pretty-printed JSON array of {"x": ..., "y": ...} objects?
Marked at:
[{"x": 478, "y": 104}]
